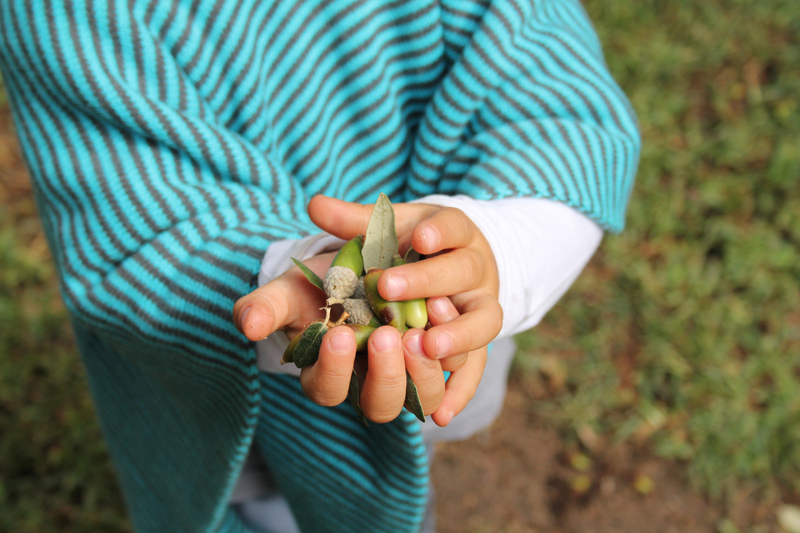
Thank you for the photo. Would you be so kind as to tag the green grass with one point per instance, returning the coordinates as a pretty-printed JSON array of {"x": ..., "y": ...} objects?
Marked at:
[
  {"x": 55, "y": 473},
  {"x": 685, "y": 330},
  {"x": 683, "y": 334}
]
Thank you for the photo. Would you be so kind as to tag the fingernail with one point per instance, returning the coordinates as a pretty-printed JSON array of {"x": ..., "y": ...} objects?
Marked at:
[
  {"x": 244, "y": 317},
  {"x": 439, "y": 307},
  {"x": 444, "y": 345},
  {"x": 395, "y": 286},
  {"x": 384, "y": 342},
  {"x": 431, "y": 238},
  {"x": 414, "y": 345},
  {"x": 450, "y": 415},
  {"x": 341, "y": 342}
]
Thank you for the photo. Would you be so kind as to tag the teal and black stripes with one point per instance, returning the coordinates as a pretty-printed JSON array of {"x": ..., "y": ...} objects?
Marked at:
[
  {"x": 374, "y": 480},
  {"x": 172, "y": 141},
  {"x": 530, "y": 110}
]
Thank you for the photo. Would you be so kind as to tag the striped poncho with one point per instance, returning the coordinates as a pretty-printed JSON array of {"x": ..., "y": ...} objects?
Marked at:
[{"x": 171, "y": 141}]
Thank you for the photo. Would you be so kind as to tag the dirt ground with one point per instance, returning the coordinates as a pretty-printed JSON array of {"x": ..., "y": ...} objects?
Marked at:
[{"x": 520, "y": 476}]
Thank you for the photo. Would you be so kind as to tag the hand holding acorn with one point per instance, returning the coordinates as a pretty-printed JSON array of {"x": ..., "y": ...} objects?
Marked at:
[{"x": 459, "y": 264}]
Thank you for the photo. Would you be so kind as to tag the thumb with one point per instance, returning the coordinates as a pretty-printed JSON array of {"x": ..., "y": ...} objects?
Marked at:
[
  {"x": 339, "y": 218},
  {"x": 264, "y": 310}
]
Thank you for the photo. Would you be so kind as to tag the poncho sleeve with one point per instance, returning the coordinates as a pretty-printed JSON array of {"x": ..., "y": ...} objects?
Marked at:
[
  {"x": 527, "y": 108},
  {"x": 157, "y": 214}
]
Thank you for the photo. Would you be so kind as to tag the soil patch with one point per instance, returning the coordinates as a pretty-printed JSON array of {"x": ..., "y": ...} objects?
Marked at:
[{"x": 521, "y": 477}]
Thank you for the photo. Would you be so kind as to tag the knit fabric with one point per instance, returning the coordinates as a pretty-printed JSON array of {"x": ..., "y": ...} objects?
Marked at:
[{"x": 171, "y": 141}]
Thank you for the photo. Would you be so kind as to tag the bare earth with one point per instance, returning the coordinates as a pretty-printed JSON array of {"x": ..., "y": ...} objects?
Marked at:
[{"x": 518, "y": 478}]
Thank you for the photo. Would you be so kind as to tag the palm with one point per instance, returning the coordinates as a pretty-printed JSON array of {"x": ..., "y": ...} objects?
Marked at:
[{"x": 307, "y": 301}]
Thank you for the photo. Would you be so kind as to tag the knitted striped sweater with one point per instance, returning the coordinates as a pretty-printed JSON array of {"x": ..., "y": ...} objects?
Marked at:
[{"x": 171, "y": 141}]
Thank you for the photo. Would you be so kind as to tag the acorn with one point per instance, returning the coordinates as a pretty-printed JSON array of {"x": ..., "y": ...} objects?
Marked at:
[
  {"x": 359, "y": 293},
  {"x": 416, "y": 309},
  {"x": 360, "y": 312},
  {"x": 391, "y": 313},
  {"x": 362, "y": 335},
  {"x": 342, "y": 277}
]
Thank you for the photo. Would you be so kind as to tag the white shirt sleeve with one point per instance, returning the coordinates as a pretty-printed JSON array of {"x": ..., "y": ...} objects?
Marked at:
[{"x": 540, "y": 247}]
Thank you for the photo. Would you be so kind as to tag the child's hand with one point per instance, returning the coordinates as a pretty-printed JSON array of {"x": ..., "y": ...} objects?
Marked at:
[
  {"x": 290, "y": 302},
  {"x": 462, "y": 267}
]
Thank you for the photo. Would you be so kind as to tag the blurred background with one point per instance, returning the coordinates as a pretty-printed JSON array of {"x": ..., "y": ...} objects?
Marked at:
[{"x": 661, "y": 394}]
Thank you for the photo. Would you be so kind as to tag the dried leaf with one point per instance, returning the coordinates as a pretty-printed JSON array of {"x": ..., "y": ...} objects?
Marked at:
[
  {"x": 306, "y": 352},
  {"x": 643, "y": 484},
  {"x": 354, "y": 395},
  {"x": 380, "y": 243},
  {"x": 412, "y": 399},
  {"x": 310, "y": 275},
  {"x": 288, "y": 353},
  {"x": 412, "y": 256},
  {"x": 581, "y": 483}
]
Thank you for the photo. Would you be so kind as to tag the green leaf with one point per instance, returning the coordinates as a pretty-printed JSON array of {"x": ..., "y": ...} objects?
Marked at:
[
  {"x": 380, "y": 243},
  {"x": 354, "y": 395},
  {"x": 310, "y": 275},
  {"x": 306, "y": 352},
  {"x": 412, "y": 399}
]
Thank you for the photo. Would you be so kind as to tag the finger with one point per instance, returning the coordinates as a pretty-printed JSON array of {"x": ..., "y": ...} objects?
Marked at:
[
  {"x": 454, "y": 362},
  {"x": 479, "y": 323},
  {"x": 440, "y": 311},
  {"x": 347, "y": 219},
  {"x": 342, "y": 219},
  {"x": 328, "y": 380},
  {"x": 444, "y": 229},
  {"x": 264, "y": 310},
  {"x": 384, "y": 390},
  {"x": 460, "y": 270},
  {"x": 424, "y": 371},
  {"x": 279, "y": 302},
  {"x": 460, "y": 388}
]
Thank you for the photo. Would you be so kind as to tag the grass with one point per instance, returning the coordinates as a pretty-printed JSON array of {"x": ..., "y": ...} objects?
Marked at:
[
  {"x": 683, "y": 334},
  {"x": 55, "y": 473},
  {"x": 685, "y": 330}
]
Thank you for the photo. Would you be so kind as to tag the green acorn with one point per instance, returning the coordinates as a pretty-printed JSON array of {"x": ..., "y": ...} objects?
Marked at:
[
  {"x": 342, "y": 277},
  {"x": 416, "y": 313},
  {"x": 391, "y": 313},
  {"x": 416, "y": 309},
  {"x": 362, "y": 335}
]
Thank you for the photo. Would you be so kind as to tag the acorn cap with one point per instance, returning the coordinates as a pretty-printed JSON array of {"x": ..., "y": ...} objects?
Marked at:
[
  {"x": 340, "y": 282},
  {"x": 359, "y": 293},
  {"x": 360, "y": 311}
]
